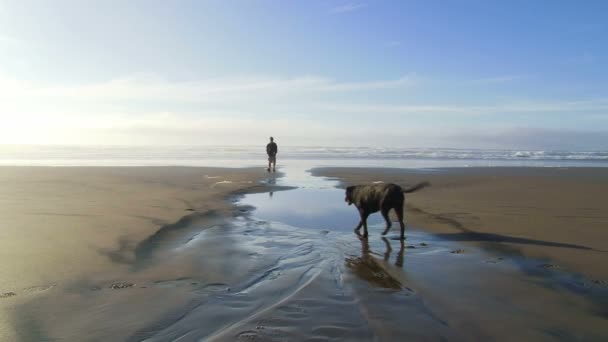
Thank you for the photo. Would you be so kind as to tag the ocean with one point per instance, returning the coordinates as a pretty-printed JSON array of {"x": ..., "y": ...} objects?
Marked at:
[{"x": 246, "y": 156}]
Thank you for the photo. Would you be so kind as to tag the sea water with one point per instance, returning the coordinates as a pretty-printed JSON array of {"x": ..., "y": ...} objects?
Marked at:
[{"x": 244, "y": 156}]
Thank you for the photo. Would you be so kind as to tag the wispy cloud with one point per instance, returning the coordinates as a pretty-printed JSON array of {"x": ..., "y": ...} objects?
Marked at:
[
  {"x": 320, "y": 93},
  {"x": 150, "y": 109},
  {"x": 474, "y": 110},
  {"x": 348, "y": 7},
  {"x": 513, "y": 137},
  {"x": 152, "y": 87},
  {"x": 499, "y": 79},
  {"x": 147, "y": 108}
]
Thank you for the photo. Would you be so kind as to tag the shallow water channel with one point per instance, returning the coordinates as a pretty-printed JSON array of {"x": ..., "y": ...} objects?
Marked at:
[
  {"x": 289, "y": 267},
  {"x": 428, "y": 287}
]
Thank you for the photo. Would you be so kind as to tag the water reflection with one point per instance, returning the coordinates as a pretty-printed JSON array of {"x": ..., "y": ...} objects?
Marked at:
[
  {"x": 370, "y": 269},
  {"x": 400, "y": 255},
  {"x": 322, "y": 209},
  {"x": 271, "y": 180}
]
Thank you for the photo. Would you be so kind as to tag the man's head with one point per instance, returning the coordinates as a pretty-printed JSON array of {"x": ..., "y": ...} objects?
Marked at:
[{"x": 271, "y": 139}]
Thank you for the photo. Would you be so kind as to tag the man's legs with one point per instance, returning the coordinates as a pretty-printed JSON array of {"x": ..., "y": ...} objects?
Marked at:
[{"x": 272, "y": 161}]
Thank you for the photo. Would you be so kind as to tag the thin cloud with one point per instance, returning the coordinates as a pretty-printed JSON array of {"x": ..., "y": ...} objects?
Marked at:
[
  {"x": 499, "y": 79},
  {"x": 152, "y": 87},
  {"x": 349, "y": 7},
  {"x": 515, "y": 107},
  {"x": 533, "y": 138},
  {"x": 146, "y": 108},
  {"x": 369, "y": 85}
]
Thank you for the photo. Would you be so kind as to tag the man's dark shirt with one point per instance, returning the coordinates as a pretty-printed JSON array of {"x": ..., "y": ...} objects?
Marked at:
[{"x": 271, "y": 149}]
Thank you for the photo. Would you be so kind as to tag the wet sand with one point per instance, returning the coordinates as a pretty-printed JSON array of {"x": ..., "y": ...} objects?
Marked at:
[
  {"x": 273, "y": 263},
  {"x": 556, "y": 213},
  {"x": 62, "y": 224}
]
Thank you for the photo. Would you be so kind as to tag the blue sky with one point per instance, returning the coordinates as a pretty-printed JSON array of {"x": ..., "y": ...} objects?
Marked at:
[{"x": 495, "y": 74}]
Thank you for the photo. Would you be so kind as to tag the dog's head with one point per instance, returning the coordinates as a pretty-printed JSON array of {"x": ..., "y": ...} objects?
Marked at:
[{"x": 349, "y": 195}]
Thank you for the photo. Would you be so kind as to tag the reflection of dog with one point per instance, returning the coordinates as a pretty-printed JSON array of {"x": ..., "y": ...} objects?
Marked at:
[{"x": 380, "y": 197}]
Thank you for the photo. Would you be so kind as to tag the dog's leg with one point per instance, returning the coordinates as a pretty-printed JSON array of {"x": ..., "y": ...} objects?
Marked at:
[
  {"x": 364, "y": 221},
  {"x": 387, "y": 244},
  {"x": 387, "y": 219},
  {"x": 399, "y": 211},
  {"x": 361, "y": 214},
  {"x": 359, "y": 226}
]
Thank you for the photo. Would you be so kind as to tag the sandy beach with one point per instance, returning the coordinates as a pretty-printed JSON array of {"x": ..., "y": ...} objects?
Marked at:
[
  {"x": 191, "y": 254},
  {"x": 62, "y": 224}
]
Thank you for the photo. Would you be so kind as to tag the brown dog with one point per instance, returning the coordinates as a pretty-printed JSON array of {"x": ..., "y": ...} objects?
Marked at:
[{"x": 379, "y": 197}]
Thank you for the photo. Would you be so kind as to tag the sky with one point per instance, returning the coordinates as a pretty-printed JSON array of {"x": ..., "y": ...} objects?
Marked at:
[{"x": 462, "y": 74}]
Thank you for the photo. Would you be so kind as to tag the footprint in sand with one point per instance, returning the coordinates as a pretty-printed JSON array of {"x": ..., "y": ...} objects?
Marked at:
[
  {"x": 262, "y": 333},
  {"x": 211, "y": 287},
  {"x": 179, "y": 282},
  {"x": 222, "y": 182},
  {"x": 31, "y": 289},
  {"x": 248, "y": 335},
  {"x": 39, "y": 288},
  {"x": 121, "y": 285},
  {"x": 495, "y": 261}
]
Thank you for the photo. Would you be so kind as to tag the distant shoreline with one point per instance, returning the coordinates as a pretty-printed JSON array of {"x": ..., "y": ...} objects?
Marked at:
[{"x": 249, "y": 156}]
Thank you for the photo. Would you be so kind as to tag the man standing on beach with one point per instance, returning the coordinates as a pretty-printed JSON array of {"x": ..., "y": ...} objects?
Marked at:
[{"x": 271, "y": 150}]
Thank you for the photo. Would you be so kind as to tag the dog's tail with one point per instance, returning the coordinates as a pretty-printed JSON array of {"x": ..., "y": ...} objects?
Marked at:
[{"x": 417, "y": 187}]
